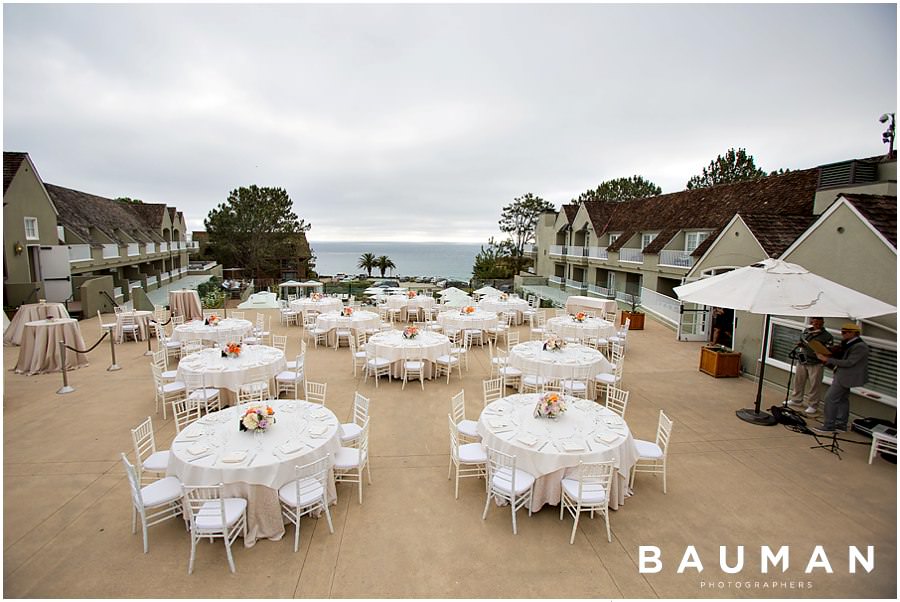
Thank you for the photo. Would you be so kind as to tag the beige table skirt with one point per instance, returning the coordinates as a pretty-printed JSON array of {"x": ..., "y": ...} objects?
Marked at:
[
  {"x": 30, "y": 313},
  {"x": 187, "y": 304},
  {"x": 39, "y": 352}
]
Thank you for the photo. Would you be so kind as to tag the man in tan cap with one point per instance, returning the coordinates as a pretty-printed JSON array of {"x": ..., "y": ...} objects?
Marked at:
[
  {"x": 808, "y": 377},
  {"x": 850, "y": 363}
]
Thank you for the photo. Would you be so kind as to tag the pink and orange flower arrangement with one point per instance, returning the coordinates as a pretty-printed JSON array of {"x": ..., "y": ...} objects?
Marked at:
[
  {"x": 554, "y": 343},
  {"x": 550, "y": 405},
  {"x": 580, "y": 316},
  {"x": 347, "y": 312},
  {"x": 257, "y": 419},
  {"x": 231, "y": 350},
  {"x": 410, "y": 332},
  {"x": 411, "y": 294}
]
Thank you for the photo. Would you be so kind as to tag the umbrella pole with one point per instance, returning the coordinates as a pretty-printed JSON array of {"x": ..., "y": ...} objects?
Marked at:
[{"x": 755, "y": 415}]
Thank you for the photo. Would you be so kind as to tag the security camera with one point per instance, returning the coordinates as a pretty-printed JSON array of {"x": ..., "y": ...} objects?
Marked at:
[{"x": 884, "y": 118}]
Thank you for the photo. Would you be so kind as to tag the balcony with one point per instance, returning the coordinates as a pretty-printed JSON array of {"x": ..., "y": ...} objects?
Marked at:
[
  {"x": 110, "y": 251},
  {"x": 576, "y": 251},
  {"x": 558, "y": 250},
  {"x": 558, "y": 280},
  {"x": 597, "y": 253},
  {"x": 164, "y": 276},
  {"x": 598, "y": 291},
  {"x": 679, "y": 259},
  {"x": 631, "y": 255},
  {"x": 79, "y": 253},
  {"x": 163, "y": 247},
  {"x": 134, "y": 249},
  {"x": 175, "y": 245},
  {"x": 117, "y": 293},
  {"x": 150, "y": 248},
  {"x": 580, "y": 287},
  {"x": 527, "y": 249},
  {"x": 134, "y": 284}
]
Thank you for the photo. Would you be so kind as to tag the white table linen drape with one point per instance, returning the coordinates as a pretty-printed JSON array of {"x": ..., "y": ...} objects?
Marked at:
[
  {"x": 566, "y": 326},
  {"x": 229, "y": 330},
  {"x": 573, "y": 361},
  {"x": 478, "y": 320},
  {"x": 577, "y": 303},
  {"x": 391, "y": 345}
]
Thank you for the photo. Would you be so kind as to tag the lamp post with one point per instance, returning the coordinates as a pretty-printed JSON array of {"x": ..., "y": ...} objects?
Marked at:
[{"x": 888, "y": 136}]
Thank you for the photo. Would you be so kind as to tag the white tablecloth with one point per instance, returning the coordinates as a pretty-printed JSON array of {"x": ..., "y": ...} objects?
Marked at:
[
  {"x": 576, "y": 303},
  {"x": 510, "y": 305},
  {"x": 141, "y": 320},
  {"x": 573, "y": 361},
  {"x": 549, "y": 449},
  {"x": 229, "y": 330},
  {"x": 478, "y": 320},
  {"x": 266, "y": 468},
  {"x": 31, "y": 313},
  {"x": 391, "y": 345},
  {"x": 230, "y": 373},
  {"x": 360, "y": 320},
  {"x": 323, "y": 305},
  {"x": 566, "y": 326},
  {"x": 405, "y": 303}
]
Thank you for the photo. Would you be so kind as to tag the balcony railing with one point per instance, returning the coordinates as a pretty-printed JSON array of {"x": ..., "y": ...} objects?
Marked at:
[
  {"x": 164, "y": 276},
  {"x": 557, "y": 280},
  {"x": 79, "y": 253},
  {"x": 110, "y": 251},
  {"x": 632, "y": 255},
  {"x": 133, "y": 249},
  {"x": 117, "y": 292},
  {"x": 600, "y": 291},
  {"x": 557, "y": 250},
  {"x": 151, "y": 280},
  {"x": 175, "y": 245},
  {"x": 575, "y": 285},
  {"x": 150, "y": 248},
  {"x": 681, "y": 259},
  {"x": 597, "y": 253},
  {"x": 163, "y": 247},
  {"x": 576, "y": 251},
  {"x": 134, "y": 284},
  {"x": 527, "y": 249},
  {"x": 183, "y": 270}
]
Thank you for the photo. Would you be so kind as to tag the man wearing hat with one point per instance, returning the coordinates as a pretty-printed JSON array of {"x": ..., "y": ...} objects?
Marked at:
[
  {"x": 849, "y": 363},
  {"x": 810, "y": 369}
]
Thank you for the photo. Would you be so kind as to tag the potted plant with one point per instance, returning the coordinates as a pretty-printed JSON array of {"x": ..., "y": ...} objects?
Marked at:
[{"x": 637, "y": 317}]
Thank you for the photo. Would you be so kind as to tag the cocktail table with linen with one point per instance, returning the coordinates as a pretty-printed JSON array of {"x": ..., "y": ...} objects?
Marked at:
[
  {"x": 333, "y": 321},
  {"x": 552, "y": 448},
  {"x": 569, "y": 327},
  {"x": 229, "y": 373},
  {"x": 185, "y": 303},
  {"x": 459, "y": 320},
  {"x": 228, "y": 330},
  {"x": 39, "y": 352},
  {"x": 392, "y": 346},
  {"x": 323, "y": 305},
  {"x": 254, "y": 466},
  {"x": 577, "y": 303},
  {"x": 510, "y": 305},
  {"x": 572, "y": 361},
  {"x": 31, "y": 312}
]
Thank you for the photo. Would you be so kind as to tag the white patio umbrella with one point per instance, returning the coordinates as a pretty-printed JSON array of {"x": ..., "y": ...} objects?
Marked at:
[
  {"x": 776, "y": 287},
  {"x": 290, "y": 285},
  {"x": 450, "y": 291},
  {"x": 311, "y": 284},
  {"x": 458, "y": 301},
  {"x": 489, "y": 291}
]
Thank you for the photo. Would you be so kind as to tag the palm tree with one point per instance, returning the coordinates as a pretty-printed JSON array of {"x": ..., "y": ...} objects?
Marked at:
[
  {"x": 384, "y": 264},
  {"x": 368, "y": 262}
]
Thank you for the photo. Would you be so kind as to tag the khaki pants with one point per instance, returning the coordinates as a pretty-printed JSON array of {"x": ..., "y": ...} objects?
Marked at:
[{"x": 808, "y": 376}]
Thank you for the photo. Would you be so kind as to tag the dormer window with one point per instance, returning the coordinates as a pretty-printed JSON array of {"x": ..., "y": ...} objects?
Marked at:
[
  {"x": 613, "y": 237},
  {"x": 647, "y": 238},
  {"x": 692, "y": 240}
]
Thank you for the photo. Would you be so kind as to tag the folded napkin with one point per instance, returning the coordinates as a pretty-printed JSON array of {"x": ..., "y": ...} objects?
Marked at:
[
  {"x": 498, "y": 422},
  {"x": 528, "y": 439},
  {"x": 607, "y": 437},
  {"x": 191, "y": 435},
  {"x": 235, "y": 456},
  {"x": 196, "y": 449},
  {"x": 613, "y": 420},
  {"x": 572, "y": 446},
  {"x": 318, "y": 430},
  {"x": 291, "y": 447},
  {"x": 320, "y": 414}
]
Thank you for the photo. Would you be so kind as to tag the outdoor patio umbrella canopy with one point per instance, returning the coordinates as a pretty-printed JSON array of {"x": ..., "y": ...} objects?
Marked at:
[
  {"x": 776, "y": 287},
  {"x": 488, "y": 290}
]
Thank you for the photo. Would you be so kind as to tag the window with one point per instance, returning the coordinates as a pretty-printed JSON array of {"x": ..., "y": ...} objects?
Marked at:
[
  {"x": 882, "y": 356},
  {"x": 647, "y": 238},
  {"x": 692, "y": 240},
  {"x": 31, "y": 228},
  {"x": 613, "y": 237}
]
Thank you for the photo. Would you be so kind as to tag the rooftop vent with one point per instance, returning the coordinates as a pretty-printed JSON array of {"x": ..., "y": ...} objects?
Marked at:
[{"x": 847, "y": 173}]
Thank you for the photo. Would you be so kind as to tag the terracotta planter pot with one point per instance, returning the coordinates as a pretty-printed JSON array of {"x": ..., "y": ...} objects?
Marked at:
[{"x": 637, "y": 320}]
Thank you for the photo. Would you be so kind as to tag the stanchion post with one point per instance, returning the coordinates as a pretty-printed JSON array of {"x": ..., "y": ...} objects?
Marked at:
[
  {"x": 149, "y": 348},
  {"x": 62, "y": 356},
  {"x": 112, "y": 349}
]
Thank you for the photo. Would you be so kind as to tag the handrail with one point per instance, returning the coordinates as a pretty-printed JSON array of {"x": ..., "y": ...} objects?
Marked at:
[
  {"x": 28, "y": 298},
  {"x": 113, "y": 301}
]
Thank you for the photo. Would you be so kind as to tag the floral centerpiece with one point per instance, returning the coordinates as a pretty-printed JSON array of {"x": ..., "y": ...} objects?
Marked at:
[
  {"x": 550, "y": 405},
  {"x": 504, "y": 296},
  {"x": 232, "y": 350},
  {"x": 579, "y": 317},
  {"x": 410, "y": 332},
  {"x": 257, "y": 419},
  {"x": 411, "y": 294},
  {"x": 554, "y": 344},
  {"x": 347, "y": 312},
  {"x": 212, "y": 320},
  {"x": 467, "y": 310},
  {"x": 316, "y": 296}
]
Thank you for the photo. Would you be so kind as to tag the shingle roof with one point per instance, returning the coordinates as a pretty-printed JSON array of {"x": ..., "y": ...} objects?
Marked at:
[
  {"x": 11, "y": 163},
  {"x": 571, "y": 210},
  {"x": 150, "y": 213},
  {"x": 81, "y": 211},
  {"x": 880, "y": 210},
  {"x": 704, "y": 208},
  {"x": 774, "y": 231}
]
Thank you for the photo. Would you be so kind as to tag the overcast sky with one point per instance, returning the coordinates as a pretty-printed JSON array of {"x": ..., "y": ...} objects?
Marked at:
[{"x": 420, "y": 122}]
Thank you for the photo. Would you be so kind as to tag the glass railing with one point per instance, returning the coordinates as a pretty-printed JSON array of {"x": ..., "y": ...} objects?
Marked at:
[
  {"x": 557, "y": 250},
  {"x": 597, "y": 253},
  {"x": 681, "y": 259},
  {"x": 133, "y": 249},
  {"x": 150, "y": 248},
  {"x": 110, "y": 251},
  {"x": 79, "y": 253},
  {"x": 632, "y": 255},
  {"x": 163, "y": 247}
]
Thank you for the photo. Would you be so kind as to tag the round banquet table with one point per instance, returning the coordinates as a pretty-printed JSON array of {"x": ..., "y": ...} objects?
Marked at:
[
  {"x": 406, "y": 303},
  {"x": 478, "y": 320},
  {"x": 334, "y": 321},
  {"x": 510, "y": 305},
  {"x": 229, "y": 373},
  {"x": 31, "y": 312},
  {"x": 323, "y": 305},
  {"x": 577, "y": 303},
  {"x": 229, "y": 330},
  {"x": 213, "y": 450},
  {"x": 590, "y": 328},
  {"x": 39, "y": 352},
  {"x": 391, "y": 345},
  {"x": 572, "y": 361},
  {"x": 185, "y": 303},
  {"x": 141, "y": 320},
  {"x": 551, "y": 449}
]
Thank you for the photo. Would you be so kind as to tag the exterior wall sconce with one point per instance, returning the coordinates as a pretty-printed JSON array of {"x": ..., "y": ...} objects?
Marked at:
[{"x": 18, "y": 248}]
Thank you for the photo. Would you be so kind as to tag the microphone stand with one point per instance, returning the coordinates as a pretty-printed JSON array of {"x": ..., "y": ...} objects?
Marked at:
[{"x": 793, "y": 356}]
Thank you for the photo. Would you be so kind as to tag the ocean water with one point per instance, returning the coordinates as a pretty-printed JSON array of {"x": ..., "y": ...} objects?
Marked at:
[{"x": 447, "y": 259}]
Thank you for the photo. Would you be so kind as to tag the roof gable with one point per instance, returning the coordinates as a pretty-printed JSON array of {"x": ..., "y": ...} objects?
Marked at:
[
  {"x": 880, "y": 211},
  {"x": 11, "y": 163}
]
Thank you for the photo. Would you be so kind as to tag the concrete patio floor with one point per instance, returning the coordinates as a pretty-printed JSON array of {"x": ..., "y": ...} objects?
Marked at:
[{"x": 67, "y": 509}]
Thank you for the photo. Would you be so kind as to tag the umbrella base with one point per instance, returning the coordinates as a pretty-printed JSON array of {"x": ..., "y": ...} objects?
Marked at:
[{"x": 753, "y": 417}]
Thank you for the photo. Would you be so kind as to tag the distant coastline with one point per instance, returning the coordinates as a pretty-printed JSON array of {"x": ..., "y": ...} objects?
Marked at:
[{"x": 448, "y": 259}]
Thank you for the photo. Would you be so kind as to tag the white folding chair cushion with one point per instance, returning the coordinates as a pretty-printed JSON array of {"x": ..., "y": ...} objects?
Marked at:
[
  {"x": 350, "y": 431},
  {"x": 469, "y": 428},
  {"x": 608, "y": 379},
  {"x": 533, "y": 380},
  {"x": 472, "y": 453},
  {"x": 203, "y": 394},
  {"x": 173, "y": 387},
  {"x": 510, "y": 371},
  {"x": 347, "y": 457},
  {"x": 574, "y": 385},
  {"x": 209, "y": 518},
  {"x": 502, "y": 481},
  {"x": 414, "y": 365},
  {"x": 360, "y": 355},
  {"x": 648, "y": 449},
  {"x": 161, "y": 492},
  {"x": 447, "y": 360},
  {"x": 378, "y": 362},
  {"x": 286, "y": 376},
  {"x": 311, "y": 491},
  {"x": 169, "y": 374},
  {"x": 157, "y": 462},
  {"x": 592, "y": 493}
]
